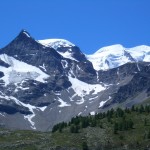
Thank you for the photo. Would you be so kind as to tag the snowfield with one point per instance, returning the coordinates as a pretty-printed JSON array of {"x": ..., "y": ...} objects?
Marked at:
[{"x": 19, "y": 71}]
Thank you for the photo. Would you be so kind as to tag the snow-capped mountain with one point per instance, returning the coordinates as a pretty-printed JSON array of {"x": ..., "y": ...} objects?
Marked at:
[
  {"x": 64, "y": 48},
  {"x": 60, "y": 43},
  {"x": 116, "y": 55},
  {"x": 56, "y": 43},
  {"x": 37, "y": 80},
  {"x": 43, "y": 82}
]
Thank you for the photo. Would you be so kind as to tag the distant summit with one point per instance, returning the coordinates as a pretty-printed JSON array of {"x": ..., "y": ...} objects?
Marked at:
[{"x": 116, "y": 55}]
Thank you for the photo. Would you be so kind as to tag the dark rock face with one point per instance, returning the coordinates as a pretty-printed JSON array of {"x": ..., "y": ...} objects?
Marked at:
[
  {"x": 76, "y": 53},
  {"x": 3, "y": 64},
  {"x": 139, "y": 83},
  {"x": 129, "y": 56},
  {"x": 11, "y": 108},
  {"x": 116, "y": 75},
  {"x": 1, "y": 74},
  {"x": 83, "y": 71}
]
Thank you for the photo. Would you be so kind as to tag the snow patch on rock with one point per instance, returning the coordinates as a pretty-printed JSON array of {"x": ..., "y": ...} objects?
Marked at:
[
  {"x": 67, "y": 55},
  {"x": 63, "y": 103},
  {"x": 82, "y": 89},
  {"x": 101, "y": 104},
  {"x": 92, "y": 113}
]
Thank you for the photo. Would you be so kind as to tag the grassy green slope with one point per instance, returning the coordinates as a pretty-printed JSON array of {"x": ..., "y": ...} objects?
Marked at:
[{"x": 97, "y": 136}]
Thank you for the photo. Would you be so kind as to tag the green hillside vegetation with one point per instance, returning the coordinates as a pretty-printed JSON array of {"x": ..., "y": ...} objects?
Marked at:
[{"x": 115, "y": 129}]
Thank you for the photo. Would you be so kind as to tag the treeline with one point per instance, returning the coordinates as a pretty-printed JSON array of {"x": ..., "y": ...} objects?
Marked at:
[{"x": 118, "y": 118}]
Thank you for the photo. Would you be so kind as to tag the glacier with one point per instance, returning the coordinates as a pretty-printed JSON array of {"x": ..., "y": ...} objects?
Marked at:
[{"x": 116, "y": 55}]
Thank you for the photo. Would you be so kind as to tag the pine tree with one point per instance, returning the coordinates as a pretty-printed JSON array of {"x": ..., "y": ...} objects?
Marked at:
[
  {"x": 93, "y": 123},
  {"x": 60, "y": 129},
  {"x": 104, "y": 114},
  {"x": 145, "y": 122},
  {"x": 147, "y": 108},
  {"x": 112, "y": 112},
  {"x": 131, "y": 124},
  {"x": 55, "y": 128},
  {"x": 120, "y": 126},
  {"x": 133, "y": 108},
  {"x": 85, "y": 123},
  {"x": 76, "y": 129},
  {"x": 108, "y": 119},
  {"x": 85, "y": 146},
  {"x": 119, "y": 112},
  {"x": 148, "y": 135},
  {"x": 101, "y": 125},
  {"x": 115, "y": 128},
  {"x": 72, "y": 128},
  {"x": 137, "y": 109},
  {"x": 141, "y": 109}
]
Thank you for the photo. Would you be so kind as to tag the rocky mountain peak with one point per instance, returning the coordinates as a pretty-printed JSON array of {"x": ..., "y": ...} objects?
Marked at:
[
  {"x": 24, "y": 33},
  {"x": 21, "y": 44}
]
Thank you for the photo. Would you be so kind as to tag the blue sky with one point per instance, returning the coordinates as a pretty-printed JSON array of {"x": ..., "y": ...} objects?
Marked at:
[{"x": 90, "y": 24}]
